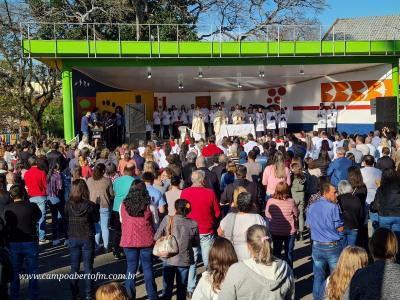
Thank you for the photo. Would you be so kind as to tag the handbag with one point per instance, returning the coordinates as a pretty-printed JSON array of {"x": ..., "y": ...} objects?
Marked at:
[
  {"x": 230, "y": 227},
  {"x": 167, "y": 245}
]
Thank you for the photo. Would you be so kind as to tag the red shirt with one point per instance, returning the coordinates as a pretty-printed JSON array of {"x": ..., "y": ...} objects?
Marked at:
[
  {"x": 86, "y": 171},
  {"x": 211, "y": 150},
  {"x": 205, "y": 208},
  {"x": 35, "y": 182}
]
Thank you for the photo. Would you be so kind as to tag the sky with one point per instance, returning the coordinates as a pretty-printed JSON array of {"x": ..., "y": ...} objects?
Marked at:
[{"x": 358, "y": 8}]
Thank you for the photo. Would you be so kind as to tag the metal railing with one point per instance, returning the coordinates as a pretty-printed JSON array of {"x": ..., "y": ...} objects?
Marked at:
[{"x": 157, "y": 33}]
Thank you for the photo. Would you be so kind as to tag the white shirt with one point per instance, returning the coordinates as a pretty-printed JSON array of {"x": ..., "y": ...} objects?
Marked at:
[
  {"x": 372, "y": 151},
  {"x": 166, "y": 118},
  {"x": 204, "y": 289},
  {"x": 321, "y": 117},
  {"x": 370, "y": 176},
  {"x": 376, "y": 141},
  {"x": 205, "y": 112},
  {"x": 174, "y": 116},
  {"x": 223, "y": 149},
  {"x": 141, "y": 150},
  {"x": 184, "y": 117},
  {"x": 156, "y": 118},
  {"x": 363, "y": 148},
  {"x": 190, "y": 115},
  {"x": 332, "y": 118},
  {"x": 249, "y": 146}
]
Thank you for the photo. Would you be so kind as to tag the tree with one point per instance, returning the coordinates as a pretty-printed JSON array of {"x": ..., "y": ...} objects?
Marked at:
[
  {"x": 29, "y": 85},
  {"x": 244, "y": 19}
]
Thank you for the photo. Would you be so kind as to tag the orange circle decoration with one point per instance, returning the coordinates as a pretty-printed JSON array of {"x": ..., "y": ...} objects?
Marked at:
[
  {"x": 277, "y": 99},
  {"x": 271, "y": 92},
  {"x": 269, "y": 100},
  {"x": 281, "y": 91}
]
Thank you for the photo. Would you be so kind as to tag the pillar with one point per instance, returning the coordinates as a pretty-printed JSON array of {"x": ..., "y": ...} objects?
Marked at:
[
  {"x": 395, "y": 82},
  {"x": 68, "y": 111}
]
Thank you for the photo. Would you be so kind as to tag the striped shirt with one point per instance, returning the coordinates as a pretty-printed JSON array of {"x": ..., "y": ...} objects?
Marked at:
[{"x": 282, "y": 215}]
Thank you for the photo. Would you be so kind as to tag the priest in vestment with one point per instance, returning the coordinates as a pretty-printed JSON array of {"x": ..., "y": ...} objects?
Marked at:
[{"x": 198, "y": 128}]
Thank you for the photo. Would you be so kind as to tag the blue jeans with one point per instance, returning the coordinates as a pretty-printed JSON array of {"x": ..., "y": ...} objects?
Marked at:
[
  {"x": 84, "y": 249},
  {"x": 132, "y": 260},
  {"x": 206, "y": 241},
  {"x": 28, "y": 251},
  {"x": 322, "y": 256},
  {"x": 102, "y": 227},
  {"x": 392, "y": 223},
  {"x": 57, "y": 216},
  {"x": 182, "y": 275},
  {"x": 288, "y": 243},
  {"x": 349, "y": 237},
  {"x": 40, "y": 201}
]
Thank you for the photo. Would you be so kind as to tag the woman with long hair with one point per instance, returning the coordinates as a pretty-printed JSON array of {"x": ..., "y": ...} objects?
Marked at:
[
  {"x": 275, "y": 173},
  {"x": 262, "y": 276},
  {"x": 101, "y": 193},
  {"x": 282, "y": 213},
  {"x": 351, "y": 259},
  {"x": 222, "y": 256},
  {"x": 137, "y": 238},
  {"x": 81, "y": 215},
  {"x": 187, "y": 236},
  {"x": 54, "y": 188}
]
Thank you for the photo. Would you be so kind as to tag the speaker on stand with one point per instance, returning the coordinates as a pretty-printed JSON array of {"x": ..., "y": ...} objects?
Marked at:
[
  {"x": 135, "y": 122},
  {"x": 385, "y": 109}
]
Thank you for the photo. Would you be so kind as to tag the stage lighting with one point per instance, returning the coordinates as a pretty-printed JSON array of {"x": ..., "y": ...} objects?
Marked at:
[
  {"x": 301, "y": 72},
  {"x": 239, "y": 85},
  {"x": 180, "y": 86},
  {"x": 148, "y": 75},
  {"x": 200, "y": 74},
  {"x": 261, "y": 74}
]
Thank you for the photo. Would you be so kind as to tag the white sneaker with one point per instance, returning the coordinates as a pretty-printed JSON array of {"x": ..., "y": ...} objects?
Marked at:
[
  {"x": 66, "y": 243},
  {"x": 56, "y": 242}
]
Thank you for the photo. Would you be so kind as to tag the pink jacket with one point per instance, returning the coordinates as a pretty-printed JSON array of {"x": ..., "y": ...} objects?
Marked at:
[
  {"x": 270, "y": 181},
  {"x": 282, "y": 215}
]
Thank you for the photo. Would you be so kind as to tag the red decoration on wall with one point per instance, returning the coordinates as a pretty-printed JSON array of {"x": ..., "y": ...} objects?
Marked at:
[
  {"x": 277, "y": 99},
  {"x": 269, "y": 100},
  {"x": 281, "y": 91},
  {"x": 272, "y": 92}
]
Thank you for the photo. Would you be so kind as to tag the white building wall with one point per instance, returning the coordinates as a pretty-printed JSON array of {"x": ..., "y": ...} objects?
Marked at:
[{"x": 304, "y": 94}]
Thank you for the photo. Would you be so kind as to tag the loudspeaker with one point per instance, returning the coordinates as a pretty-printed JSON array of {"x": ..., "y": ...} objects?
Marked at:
[
  {"x": 385, "y": 109},
  {"x": 135, "y": 118}
]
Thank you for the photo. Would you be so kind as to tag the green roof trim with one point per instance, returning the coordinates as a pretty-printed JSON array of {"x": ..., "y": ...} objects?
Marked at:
[{"x": 126, "y": 49}]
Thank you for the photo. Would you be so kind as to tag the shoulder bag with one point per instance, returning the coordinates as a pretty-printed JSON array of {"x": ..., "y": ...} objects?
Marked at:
[{"x": 167, "y": 245}]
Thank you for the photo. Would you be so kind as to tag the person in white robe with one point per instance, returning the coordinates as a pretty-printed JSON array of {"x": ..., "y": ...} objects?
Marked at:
[
  {"x": 260, "y": 120},
  {"x": 166, "y": 122},
  {"x": 331, "y": 119},
  {"x": 198, "y": 128},
  {"x": 238, "y": 116},
  {"x": 157, "y": 122},
  {"x": 321, "y": 118},
  {"x": 282, "y": 122},
  {"x": 190, "y": 115},
  {"x": 220, "y": 119},
  {"x": 183, "y": 115},
  {"x": 271, "y": 121}
]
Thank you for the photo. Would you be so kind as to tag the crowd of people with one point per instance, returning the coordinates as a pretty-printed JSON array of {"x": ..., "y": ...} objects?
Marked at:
[{"x": 239, "y": 206}]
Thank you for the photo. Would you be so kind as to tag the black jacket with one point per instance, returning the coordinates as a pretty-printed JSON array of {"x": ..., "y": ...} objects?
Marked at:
[
  {"x": 187, "y": 172},
  {"x": 54, "y": 157},
  {"x": 219, "y": 170},
  {"x": 387, "y": 199},
  {"x": 385, "y": 162},
  {"x": 252, "y": 187},
  {"x": 81, "y": 218},
  {"x": 211, "y": 181},
  {"x": 353, "y": 211}
]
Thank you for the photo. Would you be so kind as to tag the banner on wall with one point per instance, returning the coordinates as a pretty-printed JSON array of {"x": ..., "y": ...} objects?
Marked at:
[{"x": 364, "y": 90}]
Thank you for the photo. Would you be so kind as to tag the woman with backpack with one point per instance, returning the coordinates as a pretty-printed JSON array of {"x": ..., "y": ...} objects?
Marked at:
[{"x": 186, "y": 233}]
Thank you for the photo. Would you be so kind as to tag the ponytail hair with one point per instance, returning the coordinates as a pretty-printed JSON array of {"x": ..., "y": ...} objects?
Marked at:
[{"x": 259, "y": 241}]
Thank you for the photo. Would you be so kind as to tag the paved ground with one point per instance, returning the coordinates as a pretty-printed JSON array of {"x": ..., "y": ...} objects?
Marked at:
[{"x": 56, "y": 260}]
